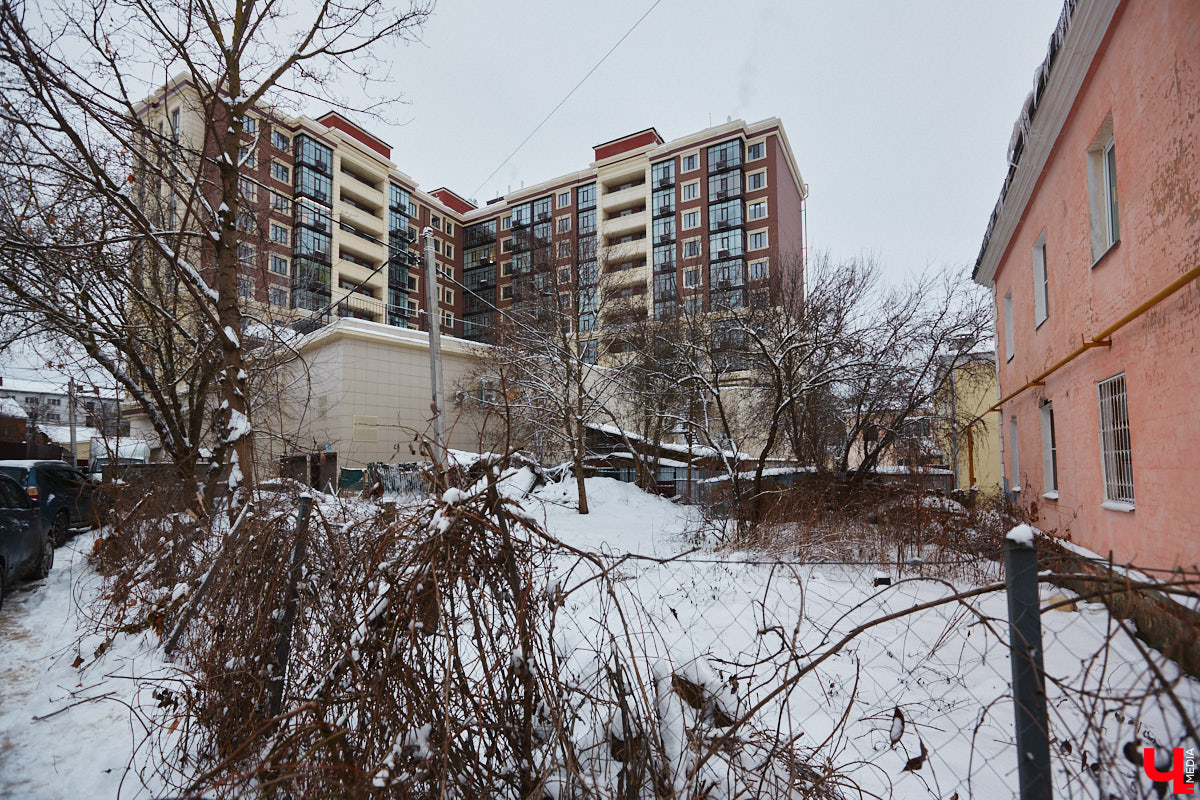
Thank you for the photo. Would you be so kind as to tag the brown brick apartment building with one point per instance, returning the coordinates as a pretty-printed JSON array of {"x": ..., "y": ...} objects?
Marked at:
[{"x": 695, "y": 224}]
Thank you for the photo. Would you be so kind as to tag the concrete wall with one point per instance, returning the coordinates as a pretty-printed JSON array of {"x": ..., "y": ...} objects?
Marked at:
[
  {"x": 370, "y": 393},
  {"x": 1146, "y": 76}
]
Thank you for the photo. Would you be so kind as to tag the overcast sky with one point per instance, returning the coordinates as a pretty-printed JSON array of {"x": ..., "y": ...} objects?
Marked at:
[{"x": 899, "y": 113}]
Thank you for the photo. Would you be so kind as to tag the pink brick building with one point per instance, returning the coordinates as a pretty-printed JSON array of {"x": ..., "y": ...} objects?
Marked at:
[{"x": 1093, "y": 254}]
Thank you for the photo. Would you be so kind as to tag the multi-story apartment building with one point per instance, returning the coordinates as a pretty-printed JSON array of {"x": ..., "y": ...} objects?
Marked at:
[
  {"x": 697, "y": 223},
  {"x": 1092, "y": 255}
]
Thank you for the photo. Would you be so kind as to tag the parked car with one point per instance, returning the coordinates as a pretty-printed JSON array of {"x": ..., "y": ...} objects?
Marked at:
[
  {"x": 62, "y": 494},
  {"x": 25, "y": 546}
]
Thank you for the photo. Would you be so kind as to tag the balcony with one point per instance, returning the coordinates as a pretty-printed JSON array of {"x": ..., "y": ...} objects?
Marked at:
[
  {"x": 621, "y": 199},
  {"x": 617, "y": 226},
  {"x": 663, "y": 211},
  {"x": 360, "y": 306},
  {"x": 361, "y": 221},
  {"x": 663, "y": 183}
]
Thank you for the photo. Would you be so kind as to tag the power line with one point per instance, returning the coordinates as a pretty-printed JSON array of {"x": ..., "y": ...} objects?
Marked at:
[{"x": 566, "y": 98}]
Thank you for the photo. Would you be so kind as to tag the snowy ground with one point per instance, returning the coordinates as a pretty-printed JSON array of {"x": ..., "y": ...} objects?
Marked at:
[
  {"x": 736, "y": 625},
  {"x": 67, "y": 729}
]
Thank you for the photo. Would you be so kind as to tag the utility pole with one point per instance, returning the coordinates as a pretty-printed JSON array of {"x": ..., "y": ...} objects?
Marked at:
[
  {"x": 71, "y": 419},
  {"x": 432, "y": 313}
]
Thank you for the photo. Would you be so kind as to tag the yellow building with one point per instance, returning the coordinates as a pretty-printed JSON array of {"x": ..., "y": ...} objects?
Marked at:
[{"x": 968, "y": 432}]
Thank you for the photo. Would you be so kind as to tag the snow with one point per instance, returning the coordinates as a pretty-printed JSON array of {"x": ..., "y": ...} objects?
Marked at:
[
  {"x": 1022, "y": 535},
  {"x": 934, "y": 681},
  {"x": 69, "y": 731},
  {"x": 11, "y": 408},
  {"x": 239, "y": 426},
  {"x": 232, "y": 336}
]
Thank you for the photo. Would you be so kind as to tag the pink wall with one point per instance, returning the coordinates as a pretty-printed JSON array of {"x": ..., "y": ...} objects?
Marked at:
[{"x": 1147, "y": 76}]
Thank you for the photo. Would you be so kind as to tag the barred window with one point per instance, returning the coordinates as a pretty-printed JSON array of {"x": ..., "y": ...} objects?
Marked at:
[{"x": 1115, "y": 445}]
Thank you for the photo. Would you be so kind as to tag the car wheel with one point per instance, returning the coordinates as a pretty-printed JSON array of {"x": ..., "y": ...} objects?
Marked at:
[
  {"x": 45, "y": 560},
  {"x": 59, "y": 529}
]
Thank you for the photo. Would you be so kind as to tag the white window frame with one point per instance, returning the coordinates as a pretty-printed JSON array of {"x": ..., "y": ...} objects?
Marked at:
[
  {"x": 694, "y": 217},
  {"x": 1009, "y": 342},
  {"x": 762, "y": 173},
  {"x": 683, "y": 161},
  {"x": 1041, "y": 290},
  {"x": 1049, "y": 452},
  {"x": 751, "y": 145},
  {"x": 1103, "y": 207},
  {"x": 1014, "y": 456},
  {"x": 691, "y": 278},
  {"x": 560, "y": 202},
  {"x": 766, "y": 242},
  {"x": 563, "y": 224},
  {"x": 762, "y": 266},
  {"x": 690, "y": 191},
  {"x": 756, "y": 204},
  {"x": 1116, "y": 448}
]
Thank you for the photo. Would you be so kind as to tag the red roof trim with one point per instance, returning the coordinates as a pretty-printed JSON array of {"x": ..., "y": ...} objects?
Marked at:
[{"x": 335, "y": 120}]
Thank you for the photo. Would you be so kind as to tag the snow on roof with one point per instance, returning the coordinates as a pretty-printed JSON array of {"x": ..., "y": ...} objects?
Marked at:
[
  {"x": 8, "y": 384},
  {"x": 61, "y": 434},
  {"x": 695, "y": 450},
  {"x": 11, "y": 408}
]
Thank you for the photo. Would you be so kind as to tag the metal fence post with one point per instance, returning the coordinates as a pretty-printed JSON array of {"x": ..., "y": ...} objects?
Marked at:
[{"x": 1029, "y": 675}]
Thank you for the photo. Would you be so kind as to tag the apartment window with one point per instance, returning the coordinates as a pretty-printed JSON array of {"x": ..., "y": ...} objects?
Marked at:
[
  {"x": 247, "y": 188},
  {"x": 691, "y": 163},
  {"x": 691, "y": 278},
  {"x": 726, "y": 155},
  {"x": 279, "y": 265},
  {"x": 437, "y": 246},
  {"x": 756, "y": 180},
  {"x": 1014, "y": 478},
  {"x": 726, "y": 244},
  {"x": 587, "y": 221},
  {"x": 564, "y": 199},
  {"x": 280, "y": 203},
  {"x": 1041, "y": 293},
  {"x": 249, "y": 125},
  {"x": 760, "y": 269},
  {"x": 448, "y": 320},
  {"x": 758, "y": 241},
  {"x": 756, "y": 210},
  {"x": 1115, "y": 446},
  {"x": 245, "y": 288},
  {"x": 725, "y": 215},
  {"x": 756, "y": 151},
  {"x": 691, "y": 190},
  {"x": 413, "y": 283},
  {"x": 246, "y": 157},
  {"x": 281, "y": 141},
  {"x": 664, "y": 257},
  {"x": 279, "y": 234},
  {"x": 175, "y": 126},
  {"x": 449, "y": 228},
  {"x": 692, "y": 248},
  {"x": 663, "y": 201},
  {"x": 506, "y": 268},
  {"x": 1102, "y": 191},
  {"x": 564, "y": 224},
  {"x": 1009, "y": 347},
  {"x": 564, "y": 250},
  {"x": 277, "y": 296},
  {"x": 541, "y": 209},
  {"x": 245, "y": 221},
  {"x": 1049, "y": 452},
  {"x": 691, "y": 219},
  {"x": 435, "y": 221},
  {"x": 585, "y": 197},
  {"x": 664, "y": 229},
  {"x": 662, "y": 174}
]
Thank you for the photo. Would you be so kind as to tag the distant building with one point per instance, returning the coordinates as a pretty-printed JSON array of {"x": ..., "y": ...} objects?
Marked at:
[
  {"x": 1092, "y": 254},
  {"x": 14, "y": 422},
  {"x": 968, "y": 433},
  {"x": 45, "y": 404},
  {"x": 331, "y": 224}
]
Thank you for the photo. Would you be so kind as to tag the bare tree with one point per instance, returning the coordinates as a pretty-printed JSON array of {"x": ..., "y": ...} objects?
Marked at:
[{"x": 121, "y": 231}]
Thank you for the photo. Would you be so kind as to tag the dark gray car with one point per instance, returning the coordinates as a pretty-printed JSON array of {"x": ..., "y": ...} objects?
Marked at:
[
  {"x": 62, "y": 493},
  {"x": 25, "y": 546}
]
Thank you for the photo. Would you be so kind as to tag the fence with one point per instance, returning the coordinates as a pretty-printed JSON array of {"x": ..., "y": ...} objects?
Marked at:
[{"x": 473, "y": 645}]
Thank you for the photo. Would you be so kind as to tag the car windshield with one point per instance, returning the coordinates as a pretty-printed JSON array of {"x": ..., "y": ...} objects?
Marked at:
[{"x": 18, "y": 474}]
